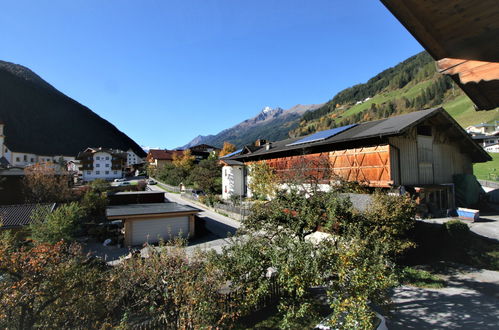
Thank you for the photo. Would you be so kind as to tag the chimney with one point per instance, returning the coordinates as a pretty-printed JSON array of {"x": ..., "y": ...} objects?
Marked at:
[
  {"x": 260, "y": 142},
  {"x": 268, "y": 146}
]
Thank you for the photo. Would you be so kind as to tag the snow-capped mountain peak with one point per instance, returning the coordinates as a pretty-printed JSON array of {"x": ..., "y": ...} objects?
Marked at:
[{"x": 267, "y": 109}]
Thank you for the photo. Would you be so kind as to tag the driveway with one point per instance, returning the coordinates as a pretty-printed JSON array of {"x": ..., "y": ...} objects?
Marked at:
[
  {"x": 486, "y": 226},
  {"x": 470, "y": 301}
]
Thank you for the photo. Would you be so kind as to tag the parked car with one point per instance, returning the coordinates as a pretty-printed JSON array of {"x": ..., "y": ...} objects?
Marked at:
[
  {"x": 151, "y": 181},
  {"x": 198, "y": 193},
  {"x": 125, "y": 183},
  {"x": 119, "y": 180}
]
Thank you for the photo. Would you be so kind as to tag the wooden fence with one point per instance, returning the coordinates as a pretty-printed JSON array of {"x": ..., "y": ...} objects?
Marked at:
[
  {"x": 174, "y": 189},
  {"x": 243, "y": 210}
]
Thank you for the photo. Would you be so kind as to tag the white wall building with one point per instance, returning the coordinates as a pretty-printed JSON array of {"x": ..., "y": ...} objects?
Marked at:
[
  {"x": 101, "y": 163},
  {"x": 132, "y": 158},
  {"x": 492, "y": 148},
  {"x": 233, "y": 179}
]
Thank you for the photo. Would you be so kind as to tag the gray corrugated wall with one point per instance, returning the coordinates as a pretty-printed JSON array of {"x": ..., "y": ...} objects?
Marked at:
[
  {"x": 447, "y": 161},
  {"x": 408, "y": 159}
]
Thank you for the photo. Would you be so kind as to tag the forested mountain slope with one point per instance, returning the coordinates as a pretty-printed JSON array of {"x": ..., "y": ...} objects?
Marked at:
[
  {"x": 409, "y": 86},
  {"x": 39, "y": 119}
]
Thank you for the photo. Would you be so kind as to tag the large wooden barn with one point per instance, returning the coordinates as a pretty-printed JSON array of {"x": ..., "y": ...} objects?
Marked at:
[{"x": 421, "y": 149}]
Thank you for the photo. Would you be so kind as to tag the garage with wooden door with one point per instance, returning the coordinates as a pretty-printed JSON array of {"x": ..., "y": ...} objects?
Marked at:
[{"x": 150, "y": 223}]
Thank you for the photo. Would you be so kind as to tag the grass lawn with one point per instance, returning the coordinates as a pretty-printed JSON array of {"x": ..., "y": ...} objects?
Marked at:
[
  {"x": 488, "y": 170},
  {"x": 420, "y": 278}
]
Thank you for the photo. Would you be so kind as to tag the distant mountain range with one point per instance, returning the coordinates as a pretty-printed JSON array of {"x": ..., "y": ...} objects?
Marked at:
[
  {"x": 271, "y": 123},
  {"x": 41, "y": 120},
  {"x": 411, "y": 85}
]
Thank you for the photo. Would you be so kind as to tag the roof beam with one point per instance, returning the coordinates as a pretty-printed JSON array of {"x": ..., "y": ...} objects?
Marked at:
[{"x": 469, "y": 70}]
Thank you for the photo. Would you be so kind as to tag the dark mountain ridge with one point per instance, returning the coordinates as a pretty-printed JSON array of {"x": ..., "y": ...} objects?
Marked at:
[{"x": 41, "y": 120}]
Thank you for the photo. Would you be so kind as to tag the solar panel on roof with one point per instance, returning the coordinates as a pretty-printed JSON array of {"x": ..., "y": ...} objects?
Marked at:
[
  {"x": 322, "y": 135},
  {"x": 232, "y": 153}
]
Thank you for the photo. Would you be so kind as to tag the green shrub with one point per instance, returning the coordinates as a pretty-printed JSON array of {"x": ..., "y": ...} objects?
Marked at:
[
  {"x": 457, "y": 229},
  {"x": 61, "y": 224}
]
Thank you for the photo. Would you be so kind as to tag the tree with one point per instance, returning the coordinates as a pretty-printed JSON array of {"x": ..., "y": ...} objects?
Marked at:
[
  {"x": 172, "y": 175},
  {"x": 94, "y": 204},
  {"x": 61, "y": 224},
  {"x": 207, "y": 176},
  {"x": 47, "y": 183},
  {"x": 50, "y": 286},
  {"x": 185, "y": 161},
  {"x": 99, "y": 186},
  {"x": 355, "y": 265},
  {"x": 263, "y": 183},
  {"x": 169, "y": 288},
  {"x": 227, "y": 149}
]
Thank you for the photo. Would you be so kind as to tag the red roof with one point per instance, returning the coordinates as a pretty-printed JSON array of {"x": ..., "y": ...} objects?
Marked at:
[{"x": 162, "y": 154}]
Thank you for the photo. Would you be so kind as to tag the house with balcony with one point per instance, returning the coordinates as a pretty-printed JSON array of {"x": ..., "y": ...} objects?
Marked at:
[{"x": 101, "y": 163}]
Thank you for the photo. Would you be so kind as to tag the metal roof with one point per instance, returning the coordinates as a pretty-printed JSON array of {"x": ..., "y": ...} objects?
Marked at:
[
  {"x": 13, "y": 216},
  {"x": 232, "y": 153},
  {"x": 150, "y": 208}
]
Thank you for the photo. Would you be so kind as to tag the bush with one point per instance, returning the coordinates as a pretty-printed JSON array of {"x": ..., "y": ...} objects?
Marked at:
[
  {"x": 99, "y": 186},
  {"x": 457, "y": 230},
  {"x": 61, "y": 224},
  {"x": 209, "y": 200},
  {"x": 94, "y": 204},
  {"x": 391, "y": 218}
]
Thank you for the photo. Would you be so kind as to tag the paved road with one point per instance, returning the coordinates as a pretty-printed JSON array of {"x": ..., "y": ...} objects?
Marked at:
[
  {"x": 487, "y": 225},
  {"x": 220, "y": 226},
  {"x": 470, "y": 301}
]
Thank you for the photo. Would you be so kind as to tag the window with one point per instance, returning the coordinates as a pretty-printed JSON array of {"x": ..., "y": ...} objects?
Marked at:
[
  {"x": 97, "y": 157},
  {"x": 107, "y": 172},
  {"x": 107, "y": 157},
  {"x": 107, "y": 165},
  {"x": 18, "y": 159},
  {"x": 97, "y": 172},
  {"x": 25, "y": 158},
  {"x": 32, "y": 160},
  {"x": 115, "y": 172},
  {"x": 424, "y": 130},
  {"x": 88, "y": 172},
  {"x": 97, "y": 165}
]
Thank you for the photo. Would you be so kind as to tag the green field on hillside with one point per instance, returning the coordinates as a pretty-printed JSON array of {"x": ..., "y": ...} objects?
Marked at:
[
  {"x": 488, "y": 170},
  {"x": 461, "y": 108}
]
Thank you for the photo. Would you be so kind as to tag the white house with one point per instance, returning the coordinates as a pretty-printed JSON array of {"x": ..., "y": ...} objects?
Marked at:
[
  {"x": 233, "y": 179},
  {"x": 132, "y": 158},
  {"x": 492, "y": 148},
  {"x": 101, "y": 163},
  {"x": 482, "y": 128}
]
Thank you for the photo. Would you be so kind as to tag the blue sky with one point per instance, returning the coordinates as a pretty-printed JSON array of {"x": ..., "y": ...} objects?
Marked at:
[{"x": 166, "y": 71}]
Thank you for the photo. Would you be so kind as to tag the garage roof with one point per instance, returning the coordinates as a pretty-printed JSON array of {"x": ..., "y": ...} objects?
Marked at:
[{"x": 146, "y": 209}]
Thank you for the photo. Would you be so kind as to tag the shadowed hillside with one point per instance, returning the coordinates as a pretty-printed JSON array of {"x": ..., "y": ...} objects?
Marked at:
[{"x": 39, "y": 119}]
